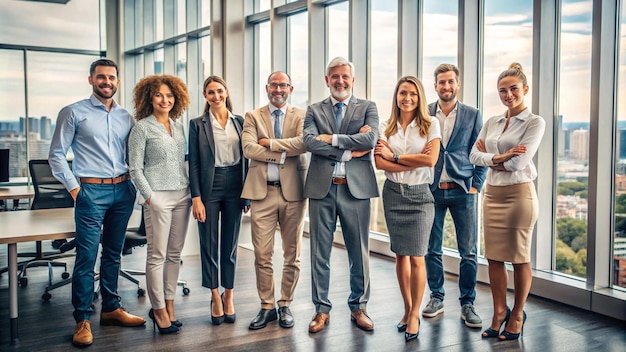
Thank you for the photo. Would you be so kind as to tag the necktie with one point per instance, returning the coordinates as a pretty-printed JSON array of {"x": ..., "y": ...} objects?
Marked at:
[
  {"x": 338, "y": 114},
  {"x": 277, "y": 130}
]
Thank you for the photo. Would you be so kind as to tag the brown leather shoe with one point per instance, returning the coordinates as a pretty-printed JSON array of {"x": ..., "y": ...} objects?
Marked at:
[
  {"x": 121, "y": 318},
  {"x": 82, "y": 334},
  {"x": 361, "y": 319},
  {"x": 319, "y": 322}
]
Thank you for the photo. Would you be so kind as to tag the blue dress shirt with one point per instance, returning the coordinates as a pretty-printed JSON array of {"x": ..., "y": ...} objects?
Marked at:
[{"x": 97, "y": 137}]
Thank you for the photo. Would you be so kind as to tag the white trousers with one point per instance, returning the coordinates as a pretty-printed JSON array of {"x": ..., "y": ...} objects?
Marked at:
[{"x": 166, "y": 220}]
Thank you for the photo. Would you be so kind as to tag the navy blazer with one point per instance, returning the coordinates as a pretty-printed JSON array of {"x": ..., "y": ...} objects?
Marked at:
[
  {"x": 202, "y": 156},
  {"x": 456, "y": 154}
]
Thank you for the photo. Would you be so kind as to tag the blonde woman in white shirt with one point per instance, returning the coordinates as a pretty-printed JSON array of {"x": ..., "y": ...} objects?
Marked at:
[
  {"x": 507, "y": 144},
  {"x": 157, "y": 166},
  {"x": 407, "y": 150}
]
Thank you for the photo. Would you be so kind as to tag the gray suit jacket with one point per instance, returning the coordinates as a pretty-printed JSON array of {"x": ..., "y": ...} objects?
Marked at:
[
  {"x": 456, "y": 154},
  {"x": 320, "y": 119}
]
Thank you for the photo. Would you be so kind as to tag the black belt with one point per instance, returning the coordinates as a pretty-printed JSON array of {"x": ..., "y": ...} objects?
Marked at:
[{"x": 273, "y": 183}]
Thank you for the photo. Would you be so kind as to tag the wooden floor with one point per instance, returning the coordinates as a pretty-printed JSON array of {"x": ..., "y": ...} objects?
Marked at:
[{"x": 48, "y": 326}]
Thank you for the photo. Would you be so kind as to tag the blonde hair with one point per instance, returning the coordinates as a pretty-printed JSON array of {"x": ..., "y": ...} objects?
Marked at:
[
  {"x": 422, "y": 118},
  {"x": 514, "y": 70}
]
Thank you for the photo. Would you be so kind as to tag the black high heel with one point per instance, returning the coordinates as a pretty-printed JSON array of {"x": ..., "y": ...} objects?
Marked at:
[
  {"x": 216, "y": 320},
  {"x": 177, "y": 323},
  {"x": 228, "y": 318},
  {"x": 410, "y": 337},
  {"x": 505, "y": 335},
  {"x": 489, "y": 333},
  {"x": 168, "y": 330},
  {"x": 401, "y": 327}
]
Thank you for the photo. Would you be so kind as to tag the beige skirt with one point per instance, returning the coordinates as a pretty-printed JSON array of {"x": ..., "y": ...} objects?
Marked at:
[{"x": 510, "y": 213}]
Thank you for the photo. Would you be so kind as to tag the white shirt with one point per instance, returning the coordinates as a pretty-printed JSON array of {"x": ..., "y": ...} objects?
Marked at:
[
  {"x": 340, "y": 167},
  {"x": 524, "y": 129},
  {"x": 410, "y": 142},
  {"x": 447, "y": 125},
  {"x": 227, "y": 143}
]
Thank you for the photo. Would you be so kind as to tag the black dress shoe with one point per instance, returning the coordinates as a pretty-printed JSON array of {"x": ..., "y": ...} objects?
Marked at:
[
  {"x": 285, "y": 318},
  {"x": 265, "y": 316},
  {"x": 177, "y": 323}
]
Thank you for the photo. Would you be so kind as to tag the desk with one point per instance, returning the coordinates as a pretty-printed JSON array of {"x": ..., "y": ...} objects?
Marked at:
[
  {"x": 27, "y": 226},
  {"x": 17, "y": 192}
]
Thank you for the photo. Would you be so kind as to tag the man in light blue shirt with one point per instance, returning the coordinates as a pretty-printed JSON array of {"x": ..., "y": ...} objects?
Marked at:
[{"x": 97, "y": 130}]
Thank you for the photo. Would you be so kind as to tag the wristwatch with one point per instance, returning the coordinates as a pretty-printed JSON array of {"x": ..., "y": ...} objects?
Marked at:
[{"x": 395, "y": 158}]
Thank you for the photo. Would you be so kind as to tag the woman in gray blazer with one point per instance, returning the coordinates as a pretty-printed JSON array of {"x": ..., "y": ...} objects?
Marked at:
[
  {"x": 157, "y": 166},
  {"x": 217, "y": 170}
]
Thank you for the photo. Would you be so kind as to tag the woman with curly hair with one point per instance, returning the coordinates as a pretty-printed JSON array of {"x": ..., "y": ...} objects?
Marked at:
[
  {"x": 157, "y": 146},
  {"x": 217, "y": 170},
  {"x": 407, "y": 150}
]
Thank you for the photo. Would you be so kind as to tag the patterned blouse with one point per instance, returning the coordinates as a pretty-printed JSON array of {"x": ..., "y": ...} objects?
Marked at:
[{"x": 156, "y": 160}]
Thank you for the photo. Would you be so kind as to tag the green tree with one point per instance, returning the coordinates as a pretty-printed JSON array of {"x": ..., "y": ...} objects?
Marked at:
[
  {"x": 569, "y": 262},
  {"x": 569, "y": 229},
  {"x": 570, "y": 188}
]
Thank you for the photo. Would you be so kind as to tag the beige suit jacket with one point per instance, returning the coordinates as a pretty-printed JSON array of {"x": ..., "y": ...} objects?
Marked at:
[{"x": 258, "y": 124}]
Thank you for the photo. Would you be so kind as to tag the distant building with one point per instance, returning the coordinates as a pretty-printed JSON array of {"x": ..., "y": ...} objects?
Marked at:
[
  {"x": 579, "y": 143},
  {"x": 45, "y": 128}
]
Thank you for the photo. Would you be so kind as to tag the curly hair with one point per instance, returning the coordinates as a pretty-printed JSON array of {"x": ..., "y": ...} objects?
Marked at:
[
  {"x": 422, "y": 118},
  {"x": 147, "y": 87}
]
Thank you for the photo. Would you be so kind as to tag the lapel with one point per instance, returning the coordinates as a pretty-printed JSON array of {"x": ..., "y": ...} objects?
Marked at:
[
  {"x": 266, "y": 118},
  {"x": 237, "y": 126},
  {"x": 350, "y": 108},
  {"x": 460, "y": 113},
  {"x": 329, "y": 113},
  {"x": 288, "y": 127},
  {"x": 208, "y": 130}
]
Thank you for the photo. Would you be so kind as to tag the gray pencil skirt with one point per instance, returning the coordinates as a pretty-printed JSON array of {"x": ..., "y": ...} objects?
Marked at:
[{"x": 409, "y": 213}]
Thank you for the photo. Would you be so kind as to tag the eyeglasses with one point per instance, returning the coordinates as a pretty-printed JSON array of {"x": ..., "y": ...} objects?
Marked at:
[{"x": 281, "y": 85}]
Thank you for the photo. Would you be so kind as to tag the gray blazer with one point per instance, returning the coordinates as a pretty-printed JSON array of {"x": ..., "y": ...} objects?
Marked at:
[
  {"x": 456, "y": 154},
  {"x": 320, "y": 119}
]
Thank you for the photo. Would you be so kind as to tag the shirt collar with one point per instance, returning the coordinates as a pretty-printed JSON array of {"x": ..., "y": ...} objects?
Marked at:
[
  {"x": 523, "y": 115},
  {"x": 274, "y": 108},
  {"x": 345, "y": 101},
  {"x": 456, "y": 106},
  {"x": 95, "y": 102}
]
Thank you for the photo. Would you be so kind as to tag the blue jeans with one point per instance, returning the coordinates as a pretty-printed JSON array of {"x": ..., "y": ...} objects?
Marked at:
[
  {"x": 462, "y": 207},
  {"x": 101, "y": 215}
]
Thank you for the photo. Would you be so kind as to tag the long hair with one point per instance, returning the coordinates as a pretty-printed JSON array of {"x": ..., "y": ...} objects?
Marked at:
[
  {"x": 220, "y": 80},
  {"x": 421, "y": 117},
  {"x": 147, "y": 87}
]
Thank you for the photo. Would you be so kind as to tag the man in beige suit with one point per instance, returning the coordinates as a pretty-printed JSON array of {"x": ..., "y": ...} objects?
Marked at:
[{"x": 272, "y": 141}]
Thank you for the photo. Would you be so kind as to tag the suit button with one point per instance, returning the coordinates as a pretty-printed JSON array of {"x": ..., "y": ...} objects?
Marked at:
[{"x": 332, "y": 164}]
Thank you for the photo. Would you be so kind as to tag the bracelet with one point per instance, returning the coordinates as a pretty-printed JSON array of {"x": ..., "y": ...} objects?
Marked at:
[{"x": 396, "y": 157}]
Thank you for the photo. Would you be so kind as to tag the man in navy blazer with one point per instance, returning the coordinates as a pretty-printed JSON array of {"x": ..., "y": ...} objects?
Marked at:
[
  {"x": 340, "y": 132},
  {"x": 455, "y": 188}
]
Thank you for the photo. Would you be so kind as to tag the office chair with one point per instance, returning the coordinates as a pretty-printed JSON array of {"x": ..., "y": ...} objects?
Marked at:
[
  {"x": 49, "y": 194},
  {"x": 136, "y": 237}
]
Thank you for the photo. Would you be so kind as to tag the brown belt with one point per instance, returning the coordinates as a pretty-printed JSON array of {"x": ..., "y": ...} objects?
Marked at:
[
  {"x": 340, "y": 181},
  {"x": 273, "y": 183},
  {"x": 105, "y": 181},
  {"x": 448, "y": 185}
]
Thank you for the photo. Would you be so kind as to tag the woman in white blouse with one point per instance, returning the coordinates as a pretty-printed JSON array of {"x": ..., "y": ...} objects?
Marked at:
[
  {"x": 507, "y": 143},
  {"x": 156, "y": 147},
  {"x": 217, "y": 170},
  {"x": 407, "y": 150}
]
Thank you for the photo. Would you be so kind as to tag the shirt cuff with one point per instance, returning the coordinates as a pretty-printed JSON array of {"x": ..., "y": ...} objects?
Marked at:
[
  {"x": 283, "y": 156},
  {"x": 271, "y": 140},
  {"x": 335, "y": 140},
  {"x": 347, "y": 155}
]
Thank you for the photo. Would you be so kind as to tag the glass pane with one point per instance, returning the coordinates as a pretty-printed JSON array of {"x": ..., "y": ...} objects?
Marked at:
[
  {"x": 262, "y": 5},
  {"x": 181, "y": 61},
  {"x": 206, "y": 13},
  {"x": 205, "y": 43},
  {"x": 181, "y": 17},
  {"x": 508, "y": 38},
  {"x": 440, "y": 39},
  {"x": 619, "y": 249},
  {"x": 264, "y": 52},
  {"x": 159, "y": 21},
  {"x": 299, "y": 58},
  {"x": 384, "y": 74},
  {"x": 573, "y": 138},
  {"x": 337, "y": 36},
  {"x": 12, "y": 105},
  {"x": 47, "y": 24},
  {"x": 158, "y": 61}
]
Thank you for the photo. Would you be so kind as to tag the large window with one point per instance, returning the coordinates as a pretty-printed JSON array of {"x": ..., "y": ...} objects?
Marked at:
[
  {"x": 299, "y": 58},
  {"x": 508, "y": 37},
  {"x": 384, "y": 76},
  {"x": 337, "y": 34},
  {"x": 263, "y": 39},
  {"x": 619, "y": 246},
  {"x": 573, "y": 138},
  {"x": 440, "y": 39}
]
